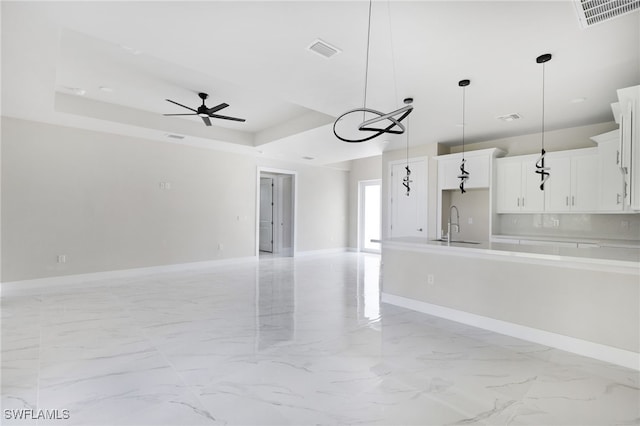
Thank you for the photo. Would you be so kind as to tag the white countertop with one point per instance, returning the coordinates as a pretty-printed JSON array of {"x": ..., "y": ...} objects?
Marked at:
[
  {"x": 602, "y": 255},
  {"x": 602, "y": 242}
]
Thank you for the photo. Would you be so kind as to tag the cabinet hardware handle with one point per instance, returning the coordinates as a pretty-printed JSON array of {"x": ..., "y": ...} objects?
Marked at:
[
  {"x": 518, "y": 201},
  {"x": 617, "y": 157},
  {"x": 522, "y": 201},
  {"x": 618, "y": 198},
  {"x": 566, "y": 200},
  {"x": 420, "y": 229},
  {"x": 573, "y": 200}
]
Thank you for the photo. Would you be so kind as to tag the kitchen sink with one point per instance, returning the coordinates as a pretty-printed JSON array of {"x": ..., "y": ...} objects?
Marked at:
[{"x": 444, "y": 240}]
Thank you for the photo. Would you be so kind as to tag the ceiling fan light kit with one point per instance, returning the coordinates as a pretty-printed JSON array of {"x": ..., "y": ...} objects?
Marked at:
[{"x": 205, "y": 113}]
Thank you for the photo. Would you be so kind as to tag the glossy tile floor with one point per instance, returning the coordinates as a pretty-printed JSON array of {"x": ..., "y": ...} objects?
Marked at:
[{"x": 283, "y": 341}]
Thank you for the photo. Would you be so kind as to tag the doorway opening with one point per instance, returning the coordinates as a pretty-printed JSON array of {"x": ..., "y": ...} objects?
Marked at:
[
  {"x": 276, "y": 207},
  {"x": 369, "y": 208}
]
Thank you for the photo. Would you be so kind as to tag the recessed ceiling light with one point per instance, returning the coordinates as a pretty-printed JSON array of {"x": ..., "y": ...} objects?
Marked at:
[
  {"x": 577, "y": 100},
  {"x": 106, "y": 89}
]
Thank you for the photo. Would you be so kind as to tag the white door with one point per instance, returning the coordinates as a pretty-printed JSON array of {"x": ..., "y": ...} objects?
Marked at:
[
  {"x": 409, "y": 210},
  {"x": 266, "y": 214},
  {"x": 369, "y": 219}
]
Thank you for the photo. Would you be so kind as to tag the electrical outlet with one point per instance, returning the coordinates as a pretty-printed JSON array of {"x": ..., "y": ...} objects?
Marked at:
[
  {"x": 62, "y": 258},
  {"x": 220, "y": 246},
  {"x": 470, "y": 221},
  {"x": 431, "y": 279}
]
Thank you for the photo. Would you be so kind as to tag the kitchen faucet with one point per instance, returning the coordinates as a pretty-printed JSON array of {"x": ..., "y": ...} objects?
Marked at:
[{"x": 450, "y": 224}]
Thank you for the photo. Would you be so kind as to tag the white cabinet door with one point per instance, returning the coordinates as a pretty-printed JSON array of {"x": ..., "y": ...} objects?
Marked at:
[
  {"x": 532, "y": 196},
  {"x": 448, "y": 171},
  {"x": 585, "y": 183},
  {"x": 630, "y": 144},
  {"x": 611, "y": 179},
  {"x": 508, "y": 185},
  {"x": 478, "y": 168},
  {"x": 557, "y": 189}
]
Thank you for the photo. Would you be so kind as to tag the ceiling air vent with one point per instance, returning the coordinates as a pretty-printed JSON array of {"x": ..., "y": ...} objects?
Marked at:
[
  {"x": 510, "y": 117},
  {"x": 592, "y": 12},
  {"x": 324, "y": 49}
]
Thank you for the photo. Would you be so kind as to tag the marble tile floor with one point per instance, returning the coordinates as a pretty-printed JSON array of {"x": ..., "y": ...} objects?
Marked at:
[{"x": 282, "y": 341}]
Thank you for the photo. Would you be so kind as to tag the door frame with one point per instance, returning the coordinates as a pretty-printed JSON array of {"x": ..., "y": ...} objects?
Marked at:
[
  {"x": 294, "y": 194},
  {"x": 362, "y": 184},
  {"x": 390, "y": 165}
]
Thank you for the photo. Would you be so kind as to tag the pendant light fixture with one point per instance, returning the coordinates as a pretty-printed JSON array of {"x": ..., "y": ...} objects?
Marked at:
[
  {"x": 406, "y": 181},
  {"x": 540, "y": 167},
  {"x": 392, "y": 120},
  {"x": 464, "y": 175}
]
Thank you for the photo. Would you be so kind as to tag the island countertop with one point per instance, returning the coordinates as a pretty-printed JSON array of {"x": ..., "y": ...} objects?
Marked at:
[{"x": 589, "y": 257}]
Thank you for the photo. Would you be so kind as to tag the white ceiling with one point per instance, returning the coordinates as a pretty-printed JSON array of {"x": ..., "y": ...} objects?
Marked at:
[{"x": 253, "y": 56}]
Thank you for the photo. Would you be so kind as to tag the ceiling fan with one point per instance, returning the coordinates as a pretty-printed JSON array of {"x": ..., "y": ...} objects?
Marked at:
[{"x": 206, "y": 113}]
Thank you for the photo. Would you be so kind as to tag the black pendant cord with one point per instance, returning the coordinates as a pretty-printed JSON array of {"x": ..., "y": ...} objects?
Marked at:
[
  {"x": 464, "y": 175},
  {"x": 406, "y": 182},
  {"x": 366, "y": 68},
  {"x": 540, "y": 166}
]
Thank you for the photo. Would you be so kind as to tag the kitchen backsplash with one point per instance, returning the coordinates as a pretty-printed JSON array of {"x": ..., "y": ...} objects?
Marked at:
[{"x": 583, "y": 226}]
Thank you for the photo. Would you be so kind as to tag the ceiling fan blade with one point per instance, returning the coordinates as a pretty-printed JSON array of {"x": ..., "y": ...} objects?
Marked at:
[
  {"x": 181, "y": 114},
  {"x": 183, "y": 106},
  {"x": 224, "y": 117},
  {"x": 206, "y": 121},
  {"x": 216, "y": 108}
]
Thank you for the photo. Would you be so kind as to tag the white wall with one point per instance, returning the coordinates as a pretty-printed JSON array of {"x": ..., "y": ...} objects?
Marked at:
[{"x": 96, "y": 198}]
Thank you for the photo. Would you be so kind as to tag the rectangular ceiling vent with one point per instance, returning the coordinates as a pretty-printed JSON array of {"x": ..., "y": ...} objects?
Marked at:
[
  {"x": 510, "y": 117},
  {"x": 592, "y": 12},
  {"x": 324, "y": 49}
]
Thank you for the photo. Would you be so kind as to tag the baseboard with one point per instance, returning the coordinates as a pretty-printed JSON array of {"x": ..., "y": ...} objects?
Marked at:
[
  {"x": 321, "y": 252},
  {"x": 39, "y": 284},
  {"x": 586, "y": 348}
]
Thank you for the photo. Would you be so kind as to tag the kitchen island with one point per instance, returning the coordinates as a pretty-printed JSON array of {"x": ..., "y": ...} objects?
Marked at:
[{"x": 584, "y": 300}]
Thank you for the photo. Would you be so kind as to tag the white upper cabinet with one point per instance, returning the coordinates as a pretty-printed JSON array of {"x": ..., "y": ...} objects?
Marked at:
[
  {"x": 573, "y": 185},
  {"x": 611, "y": 196},
  {"x": 478, "y": 165},
  {"x": 517, "y": 185},
  {"x": 629, "y": 107}
]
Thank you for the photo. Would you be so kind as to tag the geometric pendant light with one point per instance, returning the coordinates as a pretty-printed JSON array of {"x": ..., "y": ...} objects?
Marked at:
[
  {"x": 464, "y": 175},
  {"x": 540, "y": 167}
]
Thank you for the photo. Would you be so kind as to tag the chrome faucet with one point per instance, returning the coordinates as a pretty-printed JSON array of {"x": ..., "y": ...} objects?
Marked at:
[{"x": 450, "y": 224}]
